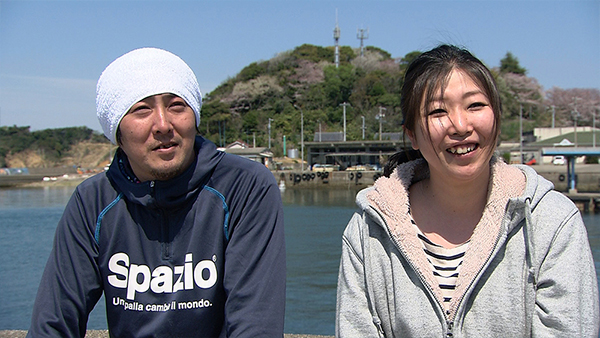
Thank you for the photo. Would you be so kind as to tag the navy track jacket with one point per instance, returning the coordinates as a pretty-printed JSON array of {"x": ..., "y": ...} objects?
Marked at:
[{"x": 200, "y": 255}]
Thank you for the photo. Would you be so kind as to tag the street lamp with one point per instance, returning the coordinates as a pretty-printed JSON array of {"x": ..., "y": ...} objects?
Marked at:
[
  {"x": 520, "y": 133},
  {"x": 594, "y": 127},
  {"x": 380, "y": 117},
  {"x": 270, "y": 119},
  {"x": 320, "y": 133},
  {"x": 575, "y": 115},
  {"x": 301, "y": 138},
  {"x": 518, "y": 98},
  {"x": 344, "y": 105},
  {"x": 363, "y": 127}
]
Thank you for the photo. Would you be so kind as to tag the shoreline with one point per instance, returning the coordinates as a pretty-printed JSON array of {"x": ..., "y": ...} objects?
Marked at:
[{"x": 587, "y": 177}]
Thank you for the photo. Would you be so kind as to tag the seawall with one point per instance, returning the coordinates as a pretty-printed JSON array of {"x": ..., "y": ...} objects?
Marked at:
[{"x": 587, "y": 177}]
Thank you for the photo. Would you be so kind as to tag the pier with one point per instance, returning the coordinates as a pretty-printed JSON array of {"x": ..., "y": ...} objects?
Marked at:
[
  {"x": 586, "y": 202},
  {"x": 586, "y": 180}
]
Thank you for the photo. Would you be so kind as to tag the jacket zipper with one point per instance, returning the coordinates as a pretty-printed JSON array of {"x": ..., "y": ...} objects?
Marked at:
[
  {"x": 450, "y": 324},
  {"x": 164, "y": 230},
  {"x": 450, "y": 332}
]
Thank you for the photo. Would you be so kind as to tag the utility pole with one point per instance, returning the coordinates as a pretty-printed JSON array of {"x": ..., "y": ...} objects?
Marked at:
[
  {"x": 301, "y": 138},
  {"x": 575, "y": 114},
  {"x": 270, "y": 119},
  {"x": 380, "y": 117},
  {"x": 518, "y": 98},
  {"x": 362, "y": 35},
  {"x": 594, "y": 126},
  {"x": 594, "y": 129},
  {"x": 363, "y": 127},
  {"x": 344, "y": 105},
  {"x": 320, "y": 131}
]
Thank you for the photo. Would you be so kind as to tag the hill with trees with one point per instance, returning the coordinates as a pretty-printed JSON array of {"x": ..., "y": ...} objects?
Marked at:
[
  {"x": 75, "y": 146},
  {"x": 306, "y": 79},
  {"x": 305, "y": 83}
]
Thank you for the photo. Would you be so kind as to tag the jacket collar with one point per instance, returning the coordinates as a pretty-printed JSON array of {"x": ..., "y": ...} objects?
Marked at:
[
  {"x": 171, "y": 193},
  {"x": 388, "y": 198}
]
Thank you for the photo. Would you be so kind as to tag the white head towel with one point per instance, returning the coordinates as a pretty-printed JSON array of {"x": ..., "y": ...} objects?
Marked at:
[{"x": 137, "y": 75}]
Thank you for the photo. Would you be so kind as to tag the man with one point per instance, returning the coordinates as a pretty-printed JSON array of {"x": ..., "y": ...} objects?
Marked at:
[{"x": 182, "y": 239}]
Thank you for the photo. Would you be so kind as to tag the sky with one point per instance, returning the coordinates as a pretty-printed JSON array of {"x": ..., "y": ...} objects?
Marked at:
[{"x": 52, "y": 52}]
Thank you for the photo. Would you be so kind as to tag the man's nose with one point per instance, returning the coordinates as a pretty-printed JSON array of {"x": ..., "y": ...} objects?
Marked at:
[{"x": 162, "y": 121}]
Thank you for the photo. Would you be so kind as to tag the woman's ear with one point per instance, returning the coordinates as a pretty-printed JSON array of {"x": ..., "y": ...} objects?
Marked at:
[{"x": 411, "y": 137}]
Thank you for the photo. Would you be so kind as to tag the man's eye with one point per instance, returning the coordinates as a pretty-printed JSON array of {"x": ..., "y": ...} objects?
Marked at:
[
  {"x": 140, "y": 110},
  {"x": 178, "y": 105}
]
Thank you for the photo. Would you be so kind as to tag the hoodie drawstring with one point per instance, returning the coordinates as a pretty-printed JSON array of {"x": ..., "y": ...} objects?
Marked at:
[{"x": 529, "y": 233}]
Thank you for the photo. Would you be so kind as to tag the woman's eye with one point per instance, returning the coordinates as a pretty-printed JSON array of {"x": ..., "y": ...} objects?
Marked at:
[
  {"x": 476, "y": 105},
  {"x": 437, "y": 112}
]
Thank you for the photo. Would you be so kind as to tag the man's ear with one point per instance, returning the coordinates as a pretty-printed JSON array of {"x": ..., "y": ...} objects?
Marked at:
[{"x": 412, "y": 138}]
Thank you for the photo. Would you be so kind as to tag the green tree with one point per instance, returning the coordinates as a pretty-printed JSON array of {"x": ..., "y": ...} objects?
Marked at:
[
  {"x": 252, "y": 71},
  {"x": 313, "y": 53},
  {"x": 338, "y": 84},
  {"x": 407, "y": 59},
  {"x": 383, "y": 53},
  {"x": 510, "y": 64}
]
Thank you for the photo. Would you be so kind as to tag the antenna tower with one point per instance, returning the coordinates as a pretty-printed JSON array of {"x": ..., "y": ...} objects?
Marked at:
[
  {"x": 336, "y": 39},
  {"x": 361, "y": 34}
]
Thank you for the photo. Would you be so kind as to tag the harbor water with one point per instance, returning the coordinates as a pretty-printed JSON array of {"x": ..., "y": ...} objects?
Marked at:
[{"x": 314, "y": 222}]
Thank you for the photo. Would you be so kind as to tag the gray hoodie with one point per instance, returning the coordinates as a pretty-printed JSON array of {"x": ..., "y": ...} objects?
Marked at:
[{"x": 528, "y": 270}]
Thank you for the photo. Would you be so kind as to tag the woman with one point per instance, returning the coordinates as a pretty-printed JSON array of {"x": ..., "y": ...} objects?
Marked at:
[{"x": 457, "y": 243}]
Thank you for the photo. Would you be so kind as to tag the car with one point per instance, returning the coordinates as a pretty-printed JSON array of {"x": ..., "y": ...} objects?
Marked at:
[
  {"x": 559, "y": 160},
  {"x": 325, "y": 167}
]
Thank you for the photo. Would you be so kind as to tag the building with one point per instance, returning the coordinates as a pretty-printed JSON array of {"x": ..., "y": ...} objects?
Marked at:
[
  {"x": 334, "y": 151},
  {"x": 262, "y": 155}
]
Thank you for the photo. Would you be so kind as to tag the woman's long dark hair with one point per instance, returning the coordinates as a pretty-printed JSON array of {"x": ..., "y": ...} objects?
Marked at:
[{"x": 427, "y": 76}]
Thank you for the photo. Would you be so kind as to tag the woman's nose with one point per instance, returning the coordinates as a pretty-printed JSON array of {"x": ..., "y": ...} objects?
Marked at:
[{"x": 459, "y": 121}]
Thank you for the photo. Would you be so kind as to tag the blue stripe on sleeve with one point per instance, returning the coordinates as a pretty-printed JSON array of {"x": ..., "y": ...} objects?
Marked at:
[
  {"x": 225, "y": 208},
  {"x": 99, "y": 221}
]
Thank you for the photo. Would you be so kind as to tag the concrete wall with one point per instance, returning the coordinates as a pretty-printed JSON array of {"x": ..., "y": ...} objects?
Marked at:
[{"x": 311, "y": 179}]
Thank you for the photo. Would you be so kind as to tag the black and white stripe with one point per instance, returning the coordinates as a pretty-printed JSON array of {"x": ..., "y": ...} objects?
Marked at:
[{"x": 445, "y": 264}]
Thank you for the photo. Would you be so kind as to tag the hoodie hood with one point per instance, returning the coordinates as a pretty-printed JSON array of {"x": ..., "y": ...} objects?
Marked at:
[
  {"x": 513, "y": 192},
  {"x": 170, "y": 193},
  {"x": 518, "y": 184},
  {"x": 537, "y": 187}
]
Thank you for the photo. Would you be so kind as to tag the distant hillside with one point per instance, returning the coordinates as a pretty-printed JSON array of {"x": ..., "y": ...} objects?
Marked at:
[
  {"x": 305, "y": 79},
  {"x": 276, "y": 91},
  {"x": 305, "y": 83},
  {"x": 76, "y": 146}
]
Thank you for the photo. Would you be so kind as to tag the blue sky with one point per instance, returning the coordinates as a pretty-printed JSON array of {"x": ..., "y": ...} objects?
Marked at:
[{"x": 52, "y": 52}]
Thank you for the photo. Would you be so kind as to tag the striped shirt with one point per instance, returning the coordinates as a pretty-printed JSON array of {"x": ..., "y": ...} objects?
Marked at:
[{"x": 445, "y": 264}]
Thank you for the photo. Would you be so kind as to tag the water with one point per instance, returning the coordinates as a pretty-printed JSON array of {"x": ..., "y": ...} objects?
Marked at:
[{"x": 314, "y": 222}]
